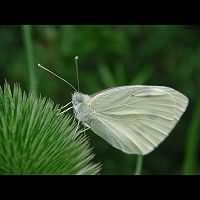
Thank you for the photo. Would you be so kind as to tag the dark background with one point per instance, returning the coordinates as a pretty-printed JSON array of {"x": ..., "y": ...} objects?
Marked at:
[{"x": 113, "y": 56}]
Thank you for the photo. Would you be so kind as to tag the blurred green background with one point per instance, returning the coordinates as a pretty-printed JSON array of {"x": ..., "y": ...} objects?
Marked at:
[{"x": 113, "y": 56}]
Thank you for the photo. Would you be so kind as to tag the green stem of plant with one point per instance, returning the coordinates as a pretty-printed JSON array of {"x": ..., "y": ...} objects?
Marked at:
[
  {"x": 30, "y": 60},
  {"x": 191, "y": 155},
  {"x": 138, "y": 170}
]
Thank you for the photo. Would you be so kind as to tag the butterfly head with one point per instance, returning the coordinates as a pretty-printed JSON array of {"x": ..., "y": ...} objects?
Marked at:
[
  {"x": 80, "y": 105},
  {"x": 78, "y": 98}
]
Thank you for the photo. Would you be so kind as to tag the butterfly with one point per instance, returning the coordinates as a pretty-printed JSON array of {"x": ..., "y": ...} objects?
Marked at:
[{"x": 134, "y": 119}]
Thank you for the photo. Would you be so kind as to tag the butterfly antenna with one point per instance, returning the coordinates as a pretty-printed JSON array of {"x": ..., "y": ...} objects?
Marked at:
[
  {"x": 39, "y": 65},
  {"x": 77, "y": 76}
]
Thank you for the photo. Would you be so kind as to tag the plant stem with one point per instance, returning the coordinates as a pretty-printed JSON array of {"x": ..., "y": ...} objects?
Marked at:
[
  {"x": 138, "y": 170},
  {"x": 191, "y": 155},
  {"x": 30, "y": 59}
]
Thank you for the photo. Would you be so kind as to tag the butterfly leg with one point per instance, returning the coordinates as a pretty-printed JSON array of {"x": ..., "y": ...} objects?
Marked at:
[
  {"x": 86, "y": 128},
  {"x": 66, "y": 110},
  {"x": 65, "y": 105},
  {"x": 83, "y": 131},
  {"x": 84, "y": 135},
  {"x": 77, "y": 126}
]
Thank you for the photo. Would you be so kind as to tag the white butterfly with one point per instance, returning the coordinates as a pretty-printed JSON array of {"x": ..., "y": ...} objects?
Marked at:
[{"x": 134, "y": 119}]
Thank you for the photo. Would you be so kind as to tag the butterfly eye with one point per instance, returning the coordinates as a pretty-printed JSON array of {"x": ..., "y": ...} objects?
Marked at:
[{"x": 77, "y": 98}]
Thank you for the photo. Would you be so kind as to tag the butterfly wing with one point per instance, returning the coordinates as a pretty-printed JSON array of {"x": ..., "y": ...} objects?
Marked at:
[{"x": 136, "y": 119}]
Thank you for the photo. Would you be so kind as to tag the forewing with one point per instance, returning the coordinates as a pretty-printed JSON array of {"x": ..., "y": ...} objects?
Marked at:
[{"x": 136, "y": 119}]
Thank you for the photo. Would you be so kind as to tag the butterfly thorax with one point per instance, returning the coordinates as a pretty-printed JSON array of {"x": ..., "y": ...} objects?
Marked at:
[{"x": 81, "y": 106}]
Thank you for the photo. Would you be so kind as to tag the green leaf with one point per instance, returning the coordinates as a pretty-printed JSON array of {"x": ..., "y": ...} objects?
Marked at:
[
  {"x": 142, "y": 77},
  {"x": 106, "y": 76},
  {"x": 190, "y": 164},
  {"x": 34, "y": 139},
  {"x": 120, "y": 74}
]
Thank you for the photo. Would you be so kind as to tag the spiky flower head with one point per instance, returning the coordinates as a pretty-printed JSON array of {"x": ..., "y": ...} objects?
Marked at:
[{"x": 34, "y": 139}]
